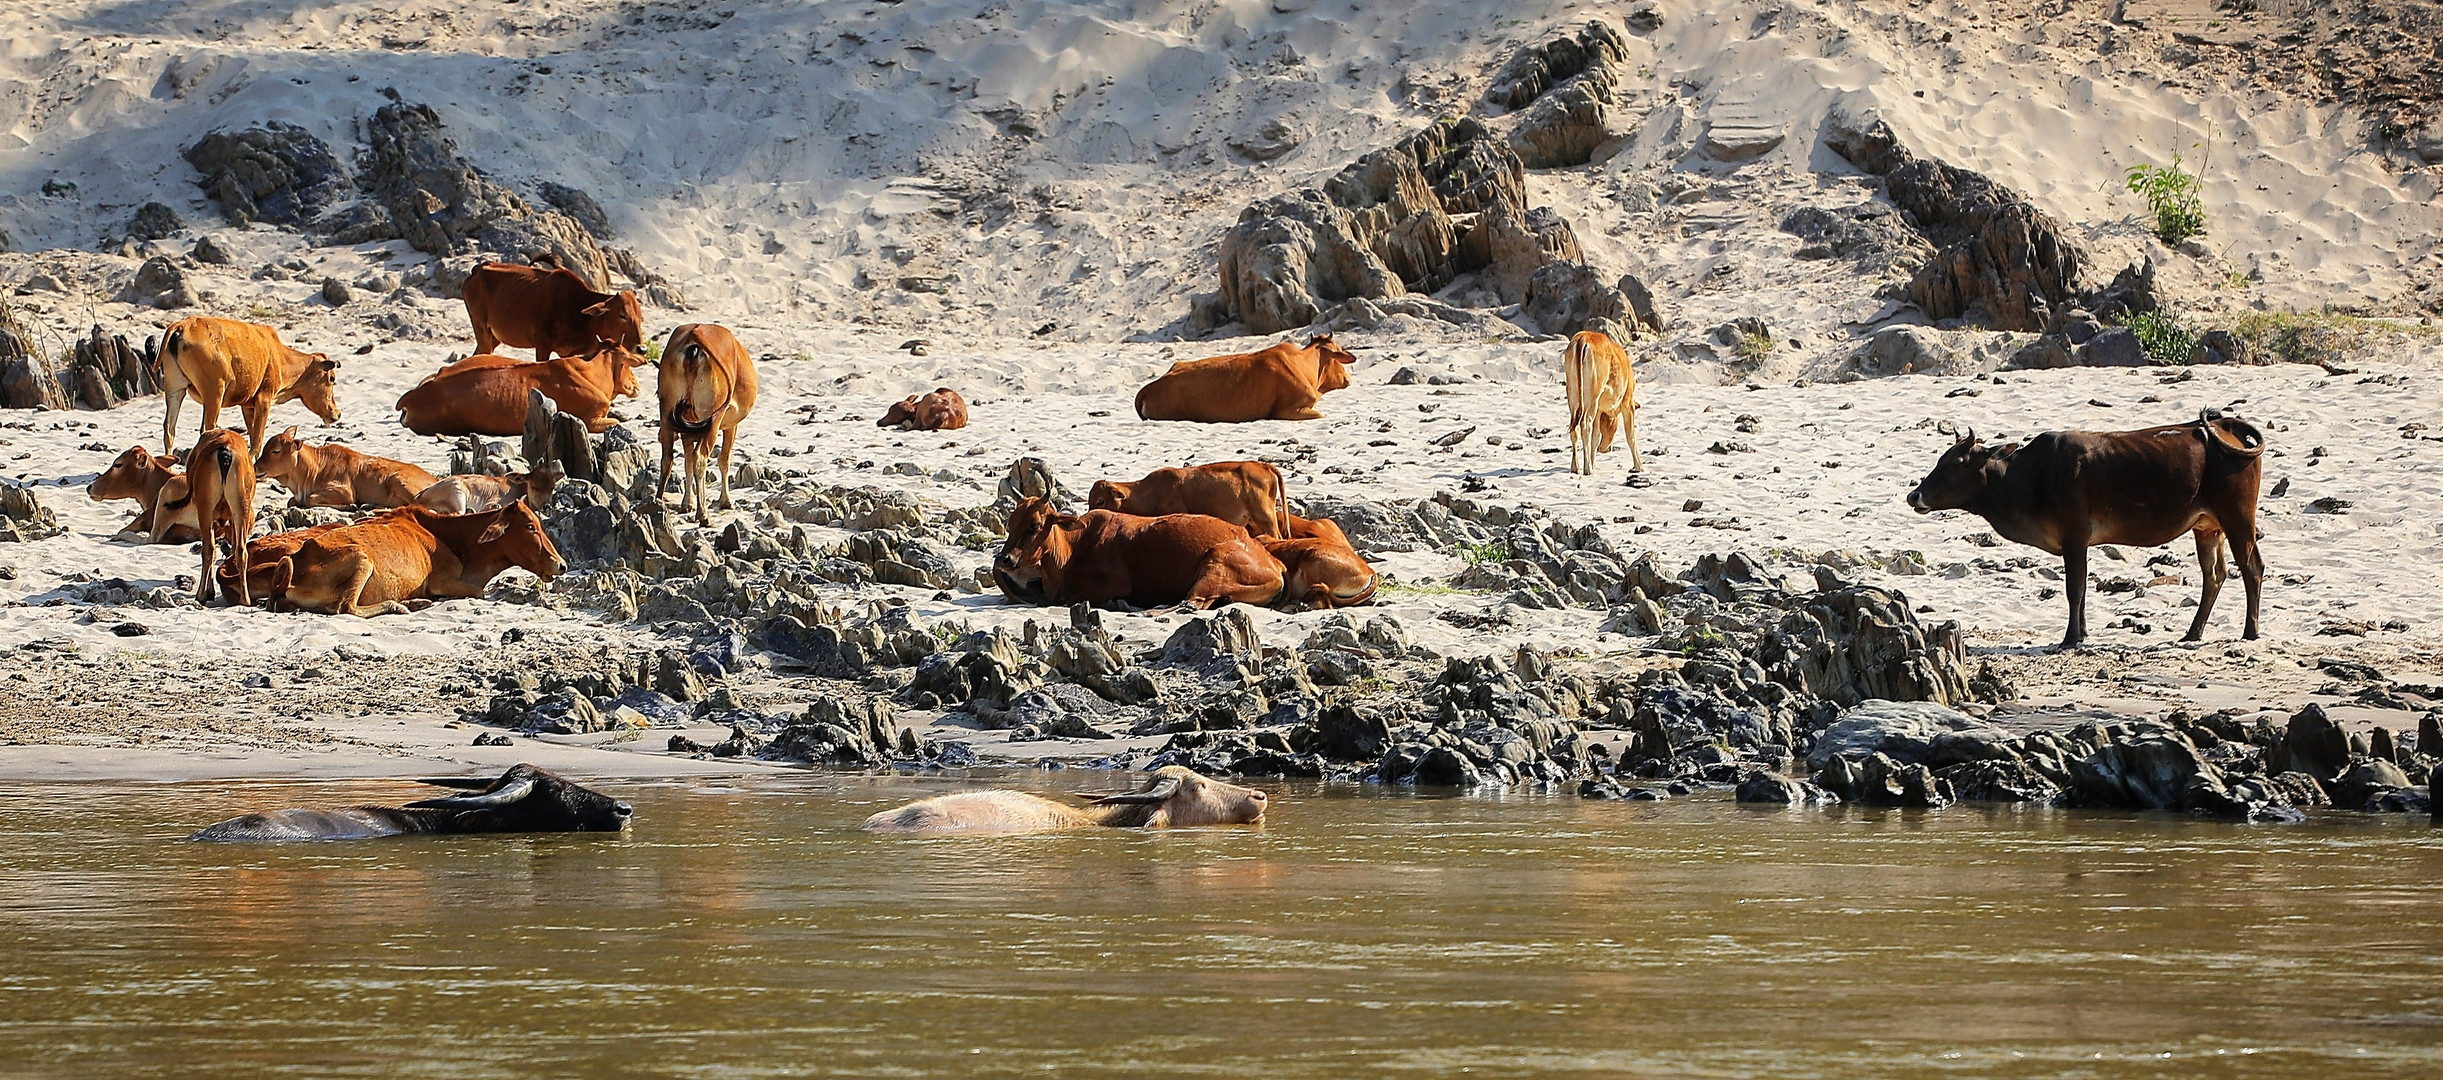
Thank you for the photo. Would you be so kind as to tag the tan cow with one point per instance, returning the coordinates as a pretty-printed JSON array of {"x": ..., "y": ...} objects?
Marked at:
[
  {"x": 941, "y": 410},
  {"x": 1280, "y": 383},
  {"x": 1602, "y": 399},
  {"x": 487, "y": 395},
  {"x": 337, "y": 475},
  {"x": 1101, "y": 557},
  {"x": 1316, "y": 529},
  {"x": 1247, "y": 494},
  {"x": 1322, "y": 573},
  {"x": 471, "y": 493},
  {"x": 264, "y": 554},
  {"x": 221, "y": 477},
  {"x": 1176, "y": 798},
  {"x": 224, "y": 363},
  {"x": 378, "y": 565},
  {"x": 707, "y": 387},
  {"x": 550, "y": 310},
  {"x": 151, "y": 480}
]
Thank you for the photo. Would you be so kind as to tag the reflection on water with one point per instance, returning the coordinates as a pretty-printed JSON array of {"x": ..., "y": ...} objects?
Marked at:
[{"x": 745, "y": 929}]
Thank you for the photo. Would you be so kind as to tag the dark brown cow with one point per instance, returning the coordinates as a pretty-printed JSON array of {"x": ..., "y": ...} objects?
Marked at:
[
  {"x": 1101, "y": 557},
  {"x": 550, "y": 310},
  {"x": 1244, "y": 493},
  {"x": 523, "y": 799},
  {"x": 2064, "y": 491},
  {"x": 941, "y": 410},
  {"x": 1280, "y": 383}
]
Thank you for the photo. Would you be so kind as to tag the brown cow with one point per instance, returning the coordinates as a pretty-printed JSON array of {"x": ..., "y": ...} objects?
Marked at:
[
  {"x": 1316, "y": 529},
  {"x": 151, "y": 480},
  {"x": 707, "y": 386},
  {"x": 264, "y": 553},
  {"x": 1321, "y": 573},
  {"x": 1602, "y": 387},
  {"x": 221, "y": 477},
  {"x": 226, "y": 363},
  {"x": 470, "y": 493},
  {"x": 487, "y": 395},
  {"x": 1280, "y": 383},
  {"x": 2065, "y": 490},
  {"x": 1100, "y": 557},
  {"x": 337, "y": 475},
  {"x": 1244, "y": 493},
  {"x": 1176, "y": 797},
  {"x": 550, "y": 310},
  {"x": 941, "y": 410},
  {"x": 376, "y": 566}
]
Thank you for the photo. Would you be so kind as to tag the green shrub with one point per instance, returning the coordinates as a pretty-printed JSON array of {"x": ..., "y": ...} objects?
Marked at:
[
  {"x": 1485, "y": 554},
  {"x": 2166, "y": 339},
  {"x": 1754, "y": 348},
  {"x": 2174, "y": 195}
]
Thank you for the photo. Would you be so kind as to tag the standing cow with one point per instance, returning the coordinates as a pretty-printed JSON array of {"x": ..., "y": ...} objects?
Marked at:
[
  {"x": 550, "y": 310},
  {"x": 2064, "y": 491},
  {"x": 220, "y": 478},
  {"x": 223, "y": 363},
  {"x": 1602, "y": 399},
  {"x": 707, "y": 387}
]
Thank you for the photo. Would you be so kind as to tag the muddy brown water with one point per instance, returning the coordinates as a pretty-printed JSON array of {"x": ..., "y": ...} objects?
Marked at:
[{"x": 744, "y": 929}]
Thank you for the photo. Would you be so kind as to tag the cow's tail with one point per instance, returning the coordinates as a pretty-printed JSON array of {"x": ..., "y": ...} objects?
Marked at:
[
  {"x": 168, "y": 360},
  {"x": 1280, "y": 507},
  {"x": 2230, "y": 434},
  {"x": 1365, "y": 595}
]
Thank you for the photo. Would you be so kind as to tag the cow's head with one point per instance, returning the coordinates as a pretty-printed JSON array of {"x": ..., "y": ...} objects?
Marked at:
[
  {"x": 624, "y": 363},
  {"x": 1331, "y": 363},
  {"x": 1180, "y": 797},
  {"x": 900, "y": 414},
  {"x": 1958, "y": 477},
  {"x": 1109, "y": 495},
  {"x": 521, "y": 539},
  {"x": 1037, "y": 549},
  {"x": 527, "y": 799},
  {"x": 126, "y": 476},
  {"x": 317, "y": 387},
  {"x": 536, "y": 487},
  {"x": 618, "y": 320},
  {"x": 279, "y": 456}
]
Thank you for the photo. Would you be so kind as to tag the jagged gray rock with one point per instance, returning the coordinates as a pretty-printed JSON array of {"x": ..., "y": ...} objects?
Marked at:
[
  {"x": 158, "y": 283},
  {"x": 278, "y": 173}
]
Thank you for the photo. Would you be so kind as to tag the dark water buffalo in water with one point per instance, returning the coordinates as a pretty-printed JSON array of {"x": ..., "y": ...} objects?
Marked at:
[
  {"x": 2066, "y": 490},
  {"x": 524, "y": 799}
]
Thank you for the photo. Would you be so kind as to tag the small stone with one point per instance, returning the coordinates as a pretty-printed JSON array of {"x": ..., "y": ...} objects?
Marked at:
[{"x": 335, "y": 292}]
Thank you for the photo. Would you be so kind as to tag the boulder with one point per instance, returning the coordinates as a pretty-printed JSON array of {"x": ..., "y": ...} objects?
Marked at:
[
  {"x": 1905, "y": 731},
  {"x": 278, "y": 173},
  {"x": 441, "y": 204},
  {"x": 158, "y": 283},
  {"x": 211, "y": 252},
  {"x": 2360, "y": 784},
  {"x": 1224, "y": 639},
  {"x": 23, "y": 518},
  {"x": 1903, "y": 350},
  {"x": 1536, "y": 69},
  {"x": 1505, "y": 247},
  {"x": 1563, "y": 127},
  {"x": 1877, "y": 780},
  {"x": 2115, "y": 347},
  {"x": 1999, "y": 780},
  {"x": 1870, "y": 235},
  {"x": 1566, "y": 297},
  {"x": 2156, "y": 769},
  {"x": 1770, "y": 789},
  {"x": 2312, "y": 743},
  {"x": 154, "y": 221}
]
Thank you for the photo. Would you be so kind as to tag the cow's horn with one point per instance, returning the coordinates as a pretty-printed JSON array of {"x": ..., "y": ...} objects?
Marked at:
[
  {"x": 1968, "y": 435},
  {"x": 1945, "y": 427},
  {"x": 487, "y": 801},
  {"x": 1162, "y": 789},
  {"x": 468, "y": 783}
]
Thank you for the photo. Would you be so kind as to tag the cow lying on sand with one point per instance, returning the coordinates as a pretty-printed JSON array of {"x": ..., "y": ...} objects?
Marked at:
[
  {"x": 1280, "y": 383},
  {"x": 378, "y": 565},
  {"x": 1247, "y": 494},
  {"x": 1322, "y": 573},
  {"x": 152, "y": 481},
  {"x": 223, "y": 363},
  {"x": 2064, "y": 491},
  {"x": 338, "y": 476},
  {"x": 523, "y": 800},
  {"x": 1100, "y": 557},
  {"x": 550, "y": 310},
  {"x": 470, "y": 493},
  {"x": 1176, "y": 798},
  {"x": 487, "y": 395},
  {"x": 941, "y": 410}
]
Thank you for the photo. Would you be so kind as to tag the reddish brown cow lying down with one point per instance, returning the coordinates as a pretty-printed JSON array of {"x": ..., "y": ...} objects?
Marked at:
[
  {"x": 338, "y": 476},
  {"x": 378, "y": 565},
  {"x": 151, "y": 480},
  {"x": 488, "y": 395},
  {"x": 1280, "y": 383},
  {"x": 1322, "y": 573},
  {"x": 1101, "y": 557},
  {"x": 1244, "y": 493},
  {"x": 1177, "y": 797},
  {"x": 941, "y": 410}
]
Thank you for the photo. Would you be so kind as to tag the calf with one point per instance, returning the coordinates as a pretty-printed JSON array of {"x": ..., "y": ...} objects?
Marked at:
[
  {"x": 524, "y": 799},
  {"x": 1602, "y": 399},
  {"x": 1322, "y": 573},
  {"x": 153, "y": 481},
  {"x": 941, "y": 410},
  {"x": 1244, "y": 493},
  {"x": 2066, "y": 490},
  {"x": 1280, "y": 383},
  {"x": 379, "y": 565},
  {"x": 1177, "y": 797},
  {"x": 550, "y": 310},
  {"x": 1101, "y": 557},
  {"x": 488, "y": 395},
  {"x": 224, "y": 362},
  {"x": 707, "y": 386},
  {"x": 337, "y": 475},
  {"x": 1316, "y": 529},
  {"x": 471, "y": 493},
  {"x": 221, "y": 480}
]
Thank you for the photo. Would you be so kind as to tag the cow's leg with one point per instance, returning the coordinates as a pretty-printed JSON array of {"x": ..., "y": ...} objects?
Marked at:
[
  {"x": 729, "y": 441},
  {"x": 1607, "y": 429},
  {"x": 172, "y": 396},
  {"x": 258, "y": 417},
  {"x": 485, "y": 340},
  {"x": 695, "y": 478},
  {"x": 2251, "y": 560},
  {"x": 204, "y": 585},
  {"x": 212, "y": 419},
  {"x": 356, "y": 571},
  {"x": 663, "y": 488},
  {"x": 2074, "y": 581},
  {"x": 1628, "y": 430},
  {"x": 2211, "y": 566}
]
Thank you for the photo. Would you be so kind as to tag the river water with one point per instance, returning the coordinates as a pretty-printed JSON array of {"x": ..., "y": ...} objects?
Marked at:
[{"x": 745, "y": 929}]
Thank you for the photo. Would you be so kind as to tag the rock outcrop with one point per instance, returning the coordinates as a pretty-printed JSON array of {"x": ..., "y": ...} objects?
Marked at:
[
  {"x": 441, "y": 204},
  {"x": 278, "y": 173}
]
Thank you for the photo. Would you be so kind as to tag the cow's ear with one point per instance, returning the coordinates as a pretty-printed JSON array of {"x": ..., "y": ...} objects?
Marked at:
[
  {"x": 500, "y": 528},
  {"x": 325, "y": 362},
  {"x": 603, "y": 308},
  {"x": 291, "y": 432}
]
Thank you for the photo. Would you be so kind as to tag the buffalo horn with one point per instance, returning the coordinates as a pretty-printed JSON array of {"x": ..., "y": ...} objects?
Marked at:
[
  {"x": 490, "y": 800},
  {"x": 1945, "y": 427},
  {"x": 1162, "y": 789},
  {"x": 469, "y": 783}
]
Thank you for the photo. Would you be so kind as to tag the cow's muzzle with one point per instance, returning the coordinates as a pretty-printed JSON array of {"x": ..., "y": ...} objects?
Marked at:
[{"x": 1917, "y": 501}]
